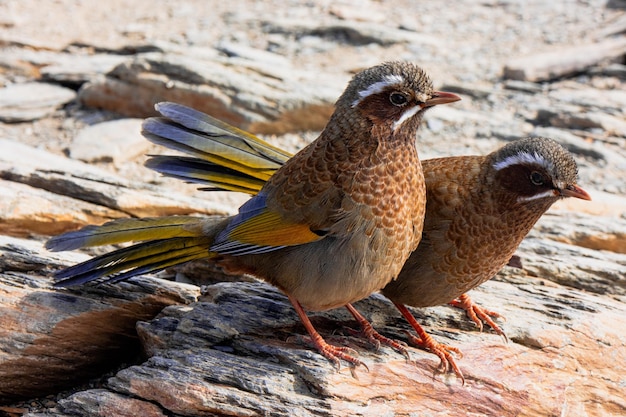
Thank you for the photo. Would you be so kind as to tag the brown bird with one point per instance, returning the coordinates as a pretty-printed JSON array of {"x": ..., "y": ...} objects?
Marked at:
[
  {"x": 332, "y": 225},
  {"x": 479, "y": 208}
]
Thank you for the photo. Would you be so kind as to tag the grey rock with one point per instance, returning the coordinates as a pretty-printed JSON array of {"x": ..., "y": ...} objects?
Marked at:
[
  {"x": 242, "y": 51},
  {"x": 575, "y": 116},
  {"x": 563, "y": 61},
  {"x": 350, "y": 32},
  {"x": 594, "y": 271},
  {"x": 50, "y": 333},
  {"x": 573, "y": 143},
  {"x": 612, "y": 70},
  {"x": 64, "y": 176},
  {"x": 77, "y": 69},
  {"x": 603, "y": 233},
  {"x": 262, "y": 369},
  {"x": 611, "y": 100},
  {"x": 32, "y": 101},
  {"x": 524, "y": 86},
  {"x": 114, "y": 141},
  {"x": 246, "y": 92},
  {"x": 103, "y": 403},
  {"x": 477, "y": 92}
]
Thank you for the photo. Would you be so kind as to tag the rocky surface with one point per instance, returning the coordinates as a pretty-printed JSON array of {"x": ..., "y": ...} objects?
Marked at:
[{"x": 71, "y": 154}]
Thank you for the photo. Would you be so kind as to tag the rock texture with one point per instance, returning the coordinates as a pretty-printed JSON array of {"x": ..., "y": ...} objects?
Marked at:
[{"x": 165, "y": 346}]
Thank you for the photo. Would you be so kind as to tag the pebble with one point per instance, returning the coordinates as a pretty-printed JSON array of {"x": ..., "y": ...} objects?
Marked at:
[
  {"x": 115, "y": 141},
  {"x": 31, "y": 101}
]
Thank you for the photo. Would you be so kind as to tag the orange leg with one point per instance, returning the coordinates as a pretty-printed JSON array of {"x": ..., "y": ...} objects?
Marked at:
[
  {"x": 373, "y": 336},
  {"x": 425, "y": 341},
  {"x": 332, "y": 353},
  {"x": 478, "y": 314}
]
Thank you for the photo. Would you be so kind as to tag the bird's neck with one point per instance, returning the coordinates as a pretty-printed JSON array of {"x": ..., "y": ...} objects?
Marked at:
[{"x": 360, "y": 133}]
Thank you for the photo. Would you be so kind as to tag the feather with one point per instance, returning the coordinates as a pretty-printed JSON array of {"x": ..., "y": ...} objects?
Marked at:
[{"x": 126, "y": 230}]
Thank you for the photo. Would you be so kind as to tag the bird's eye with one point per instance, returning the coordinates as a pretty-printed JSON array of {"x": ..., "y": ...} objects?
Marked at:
[
  {"x": 537, "y": 178},
  {"x": 398, "y": 99}
]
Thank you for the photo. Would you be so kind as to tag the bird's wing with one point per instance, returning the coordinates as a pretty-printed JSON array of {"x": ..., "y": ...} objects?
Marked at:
[
  {"x": 259, "y": 229},
  {"x": 213, "y": 176},
  {"x": 197, "y": 134}
]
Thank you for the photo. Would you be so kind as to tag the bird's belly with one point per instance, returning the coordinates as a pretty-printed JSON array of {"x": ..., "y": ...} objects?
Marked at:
[{"x": 328, "y": 273}]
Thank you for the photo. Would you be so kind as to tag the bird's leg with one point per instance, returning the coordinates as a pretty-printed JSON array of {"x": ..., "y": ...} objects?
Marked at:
[
  {"x": 478, "y": 314},
  {"x": 332, "y": 353},
  {"x": 425, "y": 341},
  {"x": 373, "y": 336}
]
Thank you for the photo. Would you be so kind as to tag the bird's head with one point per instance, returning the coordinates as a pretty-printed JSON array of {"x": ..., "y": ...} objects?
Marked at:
[
  {"x": 392, "y": 94},
  {"x": 537, "y": 170}
]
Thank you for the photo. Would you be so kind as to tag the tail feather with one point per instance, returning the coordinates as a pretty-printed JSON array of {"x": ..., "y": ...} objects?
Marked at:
[
  {"x": 214, "y": 176},
  {"x": 135, "y": 260},
  {"x": 199, "y": 135},
  {"x": 227, "y": 134},
  {"x": 213, "y": 150},
  {"x": 127, "y": 230},
  {"x": 223, "y": 157}
]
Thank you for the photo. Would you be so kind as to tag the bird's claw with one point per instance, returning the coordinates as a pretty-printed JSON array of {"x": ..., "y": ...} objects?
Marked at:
[
  {"x": 479, "y": 314},
  {"x": 377, "y": 339},
  {"x": 444, "y": 352},
  {"x": 337, "y": 353}
]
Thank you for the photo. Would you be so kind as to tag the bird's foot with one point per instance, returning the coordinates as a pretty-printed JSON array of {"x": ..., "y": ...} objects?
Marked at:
[
  {"x": 368, "y": 331},
  {"x": 443, "y": 351},
  {"x": 330, "y": 352},
  {"x": 479, "y": 314},
  {"x": 335, "y": 353},
  {"x": 425, "y": 341}
]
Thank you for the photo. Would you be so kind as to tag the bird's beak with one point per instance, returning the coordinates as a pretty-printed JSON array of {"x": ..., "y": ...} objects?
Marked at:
[
  {"x": 441, "y": 97},
  {"x": 575, "y": 191}
]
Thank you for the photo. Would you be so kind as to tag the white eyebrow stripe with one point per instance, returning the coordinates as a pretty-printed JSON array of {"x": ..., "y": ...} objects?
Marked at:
[
  {"x": 521, "y": 158},
  {"x": 377, "y": 87}
]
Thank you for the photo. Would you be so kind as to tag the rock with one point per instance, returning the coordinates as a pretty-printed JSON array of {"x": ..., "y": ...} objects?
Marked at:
[
  {"x": 232, "y": 353},
  {"x": 602, "y": 204},
  {"x": 474, "y": 91},
  {"x": 524, "y": 86},
  {"x": 612, "y": 70},
  {"x": 563, "y": 61},
  {"x": 103, "y": 403},
  {"x": 574, "y": 117},
  {"x": 613, "y": 101},
  {"x": 597, "y": 244},
  {"x": 63, "y": 176},
  {"x": 593, "y": 232},
  {"x": 237, "y": 94},
  {"x": 31, "y": 101},
  {"x": 77, "y": 69},
  {"x": 25, "y": 210},
  {"x": 115, "y": 141},
  {"x": 231, "y": 49},
  {"x": 573, "y": 143},
  {"x": 373, "y": 13},
  {"x": 350, "y": 32},
  {"x": 50, "y": 338}
]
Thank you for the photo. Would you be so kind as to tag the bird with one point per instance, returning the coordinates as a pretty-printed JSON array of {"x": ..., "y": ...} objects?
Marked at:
[
  {"x": 328, "y": 227},
  {"x": 478, "y": 210}
]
